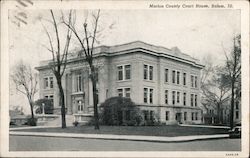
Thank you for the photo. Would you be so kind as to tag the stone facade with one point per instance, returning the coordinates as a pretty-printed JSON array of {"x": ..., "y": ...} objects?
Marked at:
[{"x": 162, "y": 82}]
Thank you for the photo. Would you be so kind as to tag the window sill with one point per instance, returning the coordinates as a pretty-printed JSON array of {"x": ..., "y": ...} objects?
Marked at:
[
  {"x": 46, "y": 89},
  {"x": 152, "y": 81},
  {"x": 123, "y": 80},
  {"x": 75, "y": 93}
]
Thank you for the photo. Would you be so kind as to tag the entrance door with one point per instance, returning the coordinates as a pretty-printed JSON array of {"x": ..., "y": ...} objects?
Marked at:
[
  {"x": 178, "y": 117},
  {"x": 80, "y": 106}
]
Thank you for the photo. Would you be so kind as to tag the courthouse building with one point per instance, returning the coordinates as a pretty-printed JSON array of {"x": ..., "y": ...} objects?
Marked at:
[{"x": 160, "y": 81}]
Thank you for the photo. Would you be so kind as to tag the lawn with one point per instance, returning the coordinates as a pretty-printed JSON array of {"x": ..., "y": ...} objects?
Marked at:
[{"x": 169, "y": 131}]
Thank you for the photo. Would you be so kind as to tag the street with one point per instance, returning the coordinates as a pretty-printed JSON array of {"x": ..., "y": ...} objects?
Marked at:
[{"x": 34, "y": 143}]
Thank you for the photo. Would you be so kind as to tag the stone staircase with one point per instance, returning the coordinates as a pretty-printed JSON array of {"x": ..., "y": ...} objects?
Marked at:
[{"x": 58, "y": 121}]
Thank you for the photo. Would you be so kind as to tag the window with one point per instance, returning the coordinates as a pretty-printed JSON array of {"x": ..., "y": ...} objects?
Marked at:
[
  {"x": 173, "y": 76},
  {"x": 195, "y": 82},
  {"x": 195, "y": 100},
  {"x": 151, "y": 114},
  {"x": 151, "y": 73},
  {"x": 166, "y": 75},
  {"x": 148, "y": 72},
  {"x": 127, "y": 92},
  {"x": 79, "y": 106},
  {"x": 46, "y": 97},
  {"x": 167, "y": 115},
  {"x": 46, "y": 83},
  {"x": 151, "y": 96},
  {"x": 237, "y": 105},
  {"x": 236, "y": 114},
  {"x": 166, "y": 96},
  {"x": 148, "y": 95},
  {"x": 51, "y": 97},
  {"x": 173, "y": 97},
  {"x": 192, "y": 116},
  {"x": 124, "y": 72},
  {"x": 120, "y": 73},
  {"x": 192, "y": 99},
  {"x": 184, "y": 78},
  {"x": 79, "y": 83},
  {"x": 185, "y": 116},
  {"x": 123, "y": 92},
  {"x": 192, "y": 81},
  {"x": 178, "y": 77},
  {"x": 145, "y": 72},
  {"x": 127, "y": 72},
  {"x": 107, "y": 93},
  {"x": 145, "y": 95},
  {"x": 51, "y": 82},
  {"x": 178, "y": 97},
  {"x": 120, "y": 92},
  {"x": 145, "y": 114},
  {"x": 184, "y": 99},
  {"x": 196, "y": 116}
]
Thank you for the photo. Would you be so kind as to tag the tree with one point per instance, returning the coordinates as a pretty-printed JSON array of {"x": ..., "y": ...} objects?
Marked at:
[
  {"x": 233, "y": 65},
  {"x": 48, "y": 106},
  {"x": 120, "y": 111},
  {"x": 59, "y": 58},
  {"x": 216, "y": 90},
  {"x": 87, "y": 39},
  {"x": 26, "y": 82}
]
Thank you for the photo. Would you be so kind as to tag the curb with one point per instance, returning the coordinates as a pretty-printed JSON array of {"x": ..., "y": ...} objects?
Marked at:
[
  {"x": 122, "y": 137},
  {"x": 205, "y": 126}
]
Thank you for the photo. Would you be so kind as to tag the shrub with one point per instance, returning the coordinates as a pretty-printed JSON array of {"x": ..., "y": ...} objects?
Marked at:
[
  {"x": 75, "y": 123},
  {"x": 12, "y": 123},
  {"x": 48, "y": 108},
  {"x": 120, "y": 111},
  {"x": 31, "y": 122}
]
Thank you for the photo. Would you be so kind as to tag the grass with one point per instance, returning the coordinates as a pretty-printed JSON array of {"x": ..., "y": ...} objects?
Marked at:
[{"x": 169, "y": 131}]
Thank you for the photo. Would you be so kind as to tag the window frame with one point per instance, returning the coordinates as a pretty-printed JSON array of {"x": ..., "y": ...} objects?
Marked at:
[
  {"x": 178, "y": 75},
  {"x": 79, "y": 83},
  {"x": 167, "y": 115},
  {"x": 184, "y": 98},
  {"x": 166, "y": 96},
  {"x": 148, "y": 72},
  {"x": 148, "y": 95},
  {"x": 184, "y": 78},
  {"x": 166, "y": 72},
  {"x": 185, "y": 116},
  {"x": 122, "y": 72}
]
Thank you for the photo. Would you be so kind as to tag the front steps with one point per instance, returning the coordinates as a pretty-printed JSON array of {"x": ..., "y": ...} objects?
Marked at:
[{"x": 57, "y": 122}]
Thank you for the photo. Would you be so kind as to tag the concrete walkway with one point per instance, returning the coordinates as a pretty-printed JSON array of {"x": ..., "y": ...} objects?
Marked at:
[{"x": 121, "y": 137}]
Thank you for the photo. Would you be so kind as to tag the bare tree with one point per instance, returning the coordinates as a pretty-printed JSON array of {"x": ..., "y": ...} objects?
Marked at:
[
  {"x": 59, "y": 57},
  {"x": 216, "y": 91},
  {"x": 233, "y": 65},
  {"x": 26, "y": 82},
  {"x": 87, "y": 39}
]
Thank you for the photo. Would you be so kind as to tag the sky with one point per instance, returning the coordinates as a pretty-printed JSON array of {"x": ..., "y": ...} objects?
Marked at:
[{"x": 198, "y": 33}]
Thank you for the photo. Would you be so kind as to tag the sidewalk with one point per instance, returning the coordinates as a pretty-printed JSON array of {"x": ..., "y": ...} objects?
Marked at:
[
  {"x": 206, "y": 126},
  {"x": 121, "y": 137}
]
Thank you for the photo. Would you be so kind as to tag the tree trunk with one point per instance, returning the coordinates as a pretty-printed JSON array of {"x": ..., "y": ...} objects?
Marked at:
[
  {"x": 59, "y": 83},
  {"x": 31, "y": 109},
  {"x": 93, "y": 80},
  {"x": 232, "y": 106}
]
